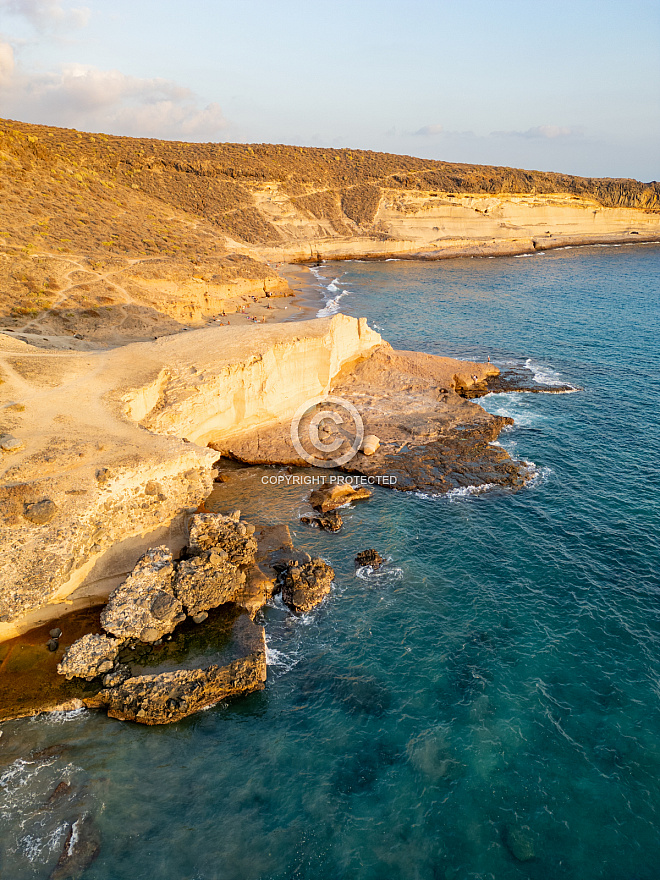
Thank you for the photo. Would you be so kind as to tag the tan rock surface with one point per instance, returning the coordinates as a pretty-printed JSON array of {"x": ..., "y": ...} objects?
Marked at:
[{"x": 113, "y": 446}]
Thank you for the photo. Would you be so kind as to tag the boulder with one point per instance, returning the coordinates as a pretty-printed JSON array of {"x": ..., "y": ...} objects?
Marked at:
[
  {"x": 206, "y": 581},
  {"x": 372, "y": 558},
  {"x": 145, "y": 606},
  {"x": 370, "y": 444},
  {"x": 170, "y": 696},
  {"x": 336, "y": 495},
  {"x": 213, "y": 531},
  {"x": 304, "y": 586},
  {"x": 41, "y": 512},
  {"x": 329, "y": 522},
  {"x": 8, "y": 443},
  {"x": 89, "y": 656}
]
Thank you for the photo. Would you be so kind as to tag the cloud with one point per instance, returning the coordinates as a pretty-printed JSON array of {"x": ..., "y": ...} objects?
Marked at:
[
  {"x": 44, "y": 14},
  {"x": 429, "y": 131},
  {"x": 539, "y": 132},
  {"x": 86, "y": 97},
  {"x": 6, "y": 64}
]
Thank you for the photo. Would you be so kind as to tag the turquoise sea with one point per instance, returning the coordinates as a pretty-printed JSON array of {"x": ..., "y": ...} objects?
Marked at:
[{"x": 486, "y": 706}]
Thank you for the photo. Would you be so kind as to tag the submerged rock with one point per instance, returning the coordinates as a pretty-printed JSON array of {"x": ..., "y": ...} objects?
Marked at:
[
  {"x": 81, "y": 846},
  {"x": 145, "y": 607},
  {"x": 304, "y": 586},
  {"x": 520, "y": 843},
  {"x": 369, "y": 557},
  {"x": 169, "y": 696},
  {"x": 336, "y": 495},
  {"x": 90, "y": 656}
]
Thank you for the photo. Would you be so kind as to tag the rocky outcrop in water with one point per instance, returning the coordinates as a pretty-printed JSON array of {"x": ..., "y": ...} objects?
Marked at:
[
  {"x": 169, "y": 696},
  {"x": 145, "y": 606},
  {"x": 329, "y": 522},
  {"x": 331, "y": 496},
  {"x": 90, "y": 656},
  {"x": 82, "y": 846},
  {"x": 372, "y": 558},
  {"x": 306, "y": 585}
]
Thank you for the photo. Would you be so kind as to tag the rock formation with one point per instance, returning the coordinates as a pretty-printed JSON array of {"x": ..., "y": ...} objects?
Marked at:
[
  {"x": 333, "y": 495},
  {"x": 305, "y": 585},
  {"x": 165, "y": 697},
  {"x": 90, "y": 656},
  {"x": 91, "y": 490},
  {"x": 145, "y": 606},
  {"x": 372, "y": 558}
]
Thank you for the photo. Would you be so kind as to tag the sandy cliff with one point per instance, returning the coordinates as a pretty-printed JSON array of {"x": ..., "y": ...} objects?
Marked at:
[
  {"x": 147, "y": 235},
  {"x": 104, "y": 451}
]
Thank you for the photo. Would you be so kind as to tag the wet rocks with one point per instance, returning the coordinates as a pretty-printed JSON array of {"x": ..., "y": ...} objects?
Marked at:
[
  {"x": 304, "y": 586},
  {"x": 336, "y": 495},
  {"x": 170, "y": 696},
  {"x": 206, "y": 581},
  {"x": 89, "y": 656},
  {"x": 329, "y": 522},
  {"x": 372, "y": 558},
  {"x": 213, "y": 530},
  {"x": 81, "y": 846},
  {"x": 145, "y": 606}
]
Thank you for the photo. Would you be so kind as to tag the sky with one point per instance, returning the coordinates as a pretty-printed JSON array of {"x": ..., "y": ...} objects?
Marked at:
[{"x": 553, "y": 86}]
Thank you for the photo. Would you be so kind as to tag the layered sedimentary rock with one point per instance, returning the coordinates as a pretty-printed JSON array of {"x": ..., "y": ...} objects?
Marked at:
[
  {"x": 431, "y": 438},
  {"x": 112, "y": 459}
]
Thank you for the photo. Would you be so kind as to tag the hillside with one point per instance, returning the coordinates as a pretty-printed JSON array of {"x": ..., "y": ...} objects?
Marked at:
[{"x": 97, "y": 228}]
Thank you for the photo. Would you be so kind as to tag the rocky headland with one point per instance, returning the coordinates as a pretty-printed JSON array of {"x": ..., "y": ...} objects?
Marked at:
[{"x": 142, "y": 346}]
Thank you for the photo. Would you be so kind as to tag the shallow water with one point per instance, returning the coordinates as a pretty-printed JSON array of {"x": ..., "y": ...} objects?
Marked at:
[{"x": 491, "y": 694}]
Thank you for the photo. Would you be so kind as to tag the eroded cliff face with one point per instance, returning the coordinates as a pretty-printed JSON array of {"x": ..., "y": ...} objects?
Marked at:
[
  {"x": 145, "y": 235},
  {"x": 103, "y": 452}
]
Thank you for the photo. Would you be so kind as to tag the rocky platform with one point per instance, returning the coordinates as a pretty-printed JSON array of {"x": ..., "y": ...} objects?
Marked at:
[{"x": 431, "y": 437}]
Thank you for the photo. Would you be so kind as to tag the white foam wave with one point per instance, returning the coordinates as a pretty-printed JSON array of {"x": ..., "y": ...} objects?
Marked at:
[
  {"x": 332, "y": 306},
  {"x": 384, "y": 574},
  {"x": 544, "y": 375},
  {"x": 282, "y": 661}
]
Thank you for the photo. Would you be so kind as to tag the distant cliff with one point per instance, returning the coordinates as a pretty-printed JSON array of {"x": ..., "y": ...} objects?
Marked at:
[{"x": 216, "y": 212}]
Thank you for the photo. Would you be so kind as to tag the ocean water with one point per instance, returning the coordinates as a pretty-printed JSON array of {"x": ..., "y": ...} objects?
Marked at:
[{"x": 485, "y": 706}]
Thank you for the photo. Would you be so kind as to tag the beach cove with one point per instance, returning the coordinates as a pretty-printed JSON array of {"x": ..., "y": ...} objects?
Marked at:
[{"x": 450, "y": 702}]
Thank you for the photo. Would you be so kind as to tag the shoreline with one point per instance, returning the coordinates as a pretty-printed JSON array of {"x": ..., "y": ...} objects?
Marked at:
[{"x": 471, "y": 249}]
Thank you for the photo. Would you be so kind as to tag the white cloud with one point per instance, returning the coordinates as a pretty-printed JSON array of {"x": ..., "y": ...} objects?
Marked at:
[
  {"x": 545, "y": 132},
  {"x": 6, "y": 64},
  {"x": 85, "y": 97},
  {"x": 47, "y": 13},
  {"x": 429, "y": 131}
]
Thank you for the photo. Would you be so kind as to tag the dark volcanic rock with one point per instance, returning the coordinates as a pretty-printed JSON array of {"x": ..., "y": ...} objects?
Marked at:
[
  {"x": 369, "y": 557},
  {"x": 145, "y": 607},
  {"x": 329, "y": 522},
  {"x": 81, "y": 846},
  {"x": 168, "y": 696},
  {"x": 304, "y": 586}
]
